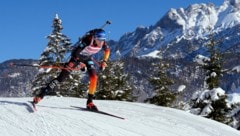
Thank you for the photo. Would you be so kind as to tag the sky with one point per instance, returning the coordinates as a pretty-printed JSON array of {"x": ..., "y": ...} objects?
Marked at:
[
  {"x": 24, "y": 24},
  {"x": 55, "y": 116}
]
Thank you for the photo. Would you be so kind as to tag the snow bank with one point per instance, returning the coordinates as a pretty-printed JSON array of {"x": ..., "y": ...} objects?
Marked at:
[{"x": 56, "y": 117}]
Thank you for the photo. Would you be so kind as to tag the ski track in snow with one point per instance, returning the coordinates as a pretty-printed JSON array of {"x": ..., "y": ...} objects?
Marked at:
[{"x": 56, "y": 117}]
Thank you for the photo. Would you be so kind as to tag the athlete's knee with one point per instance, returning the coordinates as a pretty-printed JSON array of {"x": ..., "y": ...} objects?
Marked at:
[{"x": 93, "y": 77}]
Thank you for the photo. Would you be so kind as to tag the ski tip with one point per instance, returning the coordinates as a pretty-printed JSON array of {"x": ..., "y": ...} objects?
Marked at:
[
  {"x": 33, "y": 106},
  {"x": 121, "y": 118}
]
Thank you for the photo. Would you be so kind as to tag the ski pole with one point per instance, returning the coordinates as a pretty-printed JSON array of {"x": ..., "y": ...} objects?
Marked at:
[
  {"x": 51, "y": 66},
  {"x": 106, "y": 23},
  {"x": 96, "y": 62},
  {"x": 27, "y": 65}
]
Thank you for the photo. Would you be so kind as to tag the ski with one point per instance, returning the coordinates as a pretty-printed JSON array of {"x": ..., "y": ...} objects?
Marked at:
[
  {"x": 98, "y": 111},
  {"x": 33, "y": 106}
]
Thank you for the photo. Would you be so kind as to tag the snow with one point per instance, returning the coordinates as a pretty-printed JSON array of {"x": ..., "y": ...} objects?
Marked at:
[
  {"x": 234, "y": 98},
  {"x": 181, "y": 88},
  {"x": 212, "y": 94},
  {"x": 200, "y": 59},
  {"x": 207, "y": 110},
  {"x": 236, "y": 68},
  {"x": 216, "y": 92},
  {"x": 13, "y": 75},
  {"x": 56, "y": 117},
  {"x": 153, "y": 54}
]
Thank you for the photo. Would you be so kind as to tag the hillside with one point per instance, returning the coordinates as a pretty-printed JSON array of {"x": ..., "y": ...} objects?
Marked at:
[
  {"x": 56, "y": 117},
  {"x": 16, "y": 81}
]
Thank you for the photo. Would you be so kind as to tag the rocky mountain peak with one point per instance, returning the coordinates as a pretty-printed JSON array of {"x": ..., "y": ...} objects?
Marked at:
[
  {"x": 181, "y": 25},
  {"x": 234, "y": 3}
]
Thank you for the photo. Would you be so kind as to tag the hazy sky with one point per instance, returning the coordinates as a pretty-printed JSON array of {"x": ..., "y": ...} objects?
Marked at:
[{"x": 24, "y": 24}]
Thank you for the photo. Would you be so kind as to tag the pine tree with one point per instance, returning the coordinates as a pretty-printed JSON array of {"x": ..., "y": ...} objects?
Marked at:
[
  {"x": 113, "y": 83},
  {"x": 213, "y": 66},
  {"x": 211, "y": 101},
  {"x": 57, "y": 47},
  {"x": 160, "y": 81},
  {"x": 73, "y": 86},
  {"x": 236, "y": 116},
  {"x": 54, "y": 55}
]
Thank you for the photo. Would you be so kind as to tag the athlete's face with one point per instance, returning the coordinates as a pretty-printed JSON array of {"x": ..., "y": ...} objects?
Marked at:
[{"x": 99, "y": 42}]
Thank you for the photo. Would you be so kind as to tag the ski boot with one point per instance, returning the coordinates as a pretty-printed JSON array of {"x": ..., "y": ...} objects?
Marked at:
[
  {"x": 45, "y": 91},
  {"x": 90, "y": 105},
  {"x": 36, "y": 99}
]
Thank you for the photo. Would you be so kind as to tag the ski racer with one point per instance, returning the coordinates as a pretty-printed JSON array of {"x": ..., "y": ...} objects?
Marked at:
[{"x": 91, "y": 43}]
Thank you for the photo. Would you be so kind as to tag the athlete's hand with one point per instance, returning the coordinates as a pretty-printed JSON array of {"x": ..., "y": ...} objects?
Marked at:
[{"x": 103, "y": 65}]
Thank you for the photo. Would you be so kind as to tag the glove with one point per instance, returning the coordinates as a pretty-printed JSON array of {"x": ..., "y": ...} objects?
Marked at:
[
  {"x": 103, "y": 65},
  {"x": 82, "y": 67}
]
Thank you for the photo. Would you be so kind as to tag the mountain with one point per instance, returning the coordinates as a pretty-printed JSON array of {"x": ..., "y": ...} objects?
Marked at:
[
  {"x": 178, "y": 37},
  {"x": 181, "y": 32},
  {"x": 55, "y": 117}
]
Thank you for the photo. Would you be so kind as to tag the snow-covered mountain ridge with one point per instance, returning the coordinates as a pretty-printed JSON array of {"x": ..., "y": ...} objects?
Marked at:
[
  {"x": 56, "y": 117},
  {"x": 181, "y": 28}
]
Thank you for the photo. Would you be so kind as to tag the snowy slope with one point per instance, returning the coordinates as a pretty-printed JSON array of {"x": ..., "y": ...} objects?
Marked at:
[{"x": 56, "y": 117}]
